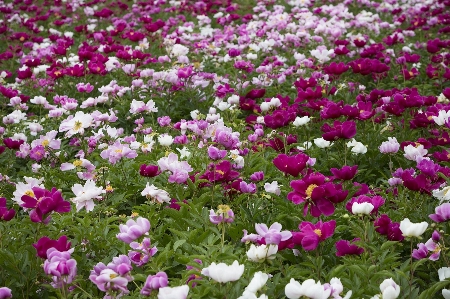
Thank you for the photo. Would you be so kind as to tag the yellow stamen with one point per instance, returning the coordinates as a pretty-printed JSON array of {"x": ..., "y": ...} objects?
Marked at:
[
  {"x": 310, "y": 189},
  {"x": 318, "y": 232},
  {"x": 45, "y": 143},
  {"x": 29, "y": 193},
  {"x": 77, "y": 163},
  {"x": 78, "y": 125}
]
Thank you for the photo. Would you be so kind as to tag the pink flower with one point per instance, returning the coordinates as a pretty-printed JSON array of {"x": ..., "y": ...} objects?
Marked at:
[
  {"x": 312, "y": 234},
  {"x": 133, "y": 230},
  {"x": 118, "y": 151}
]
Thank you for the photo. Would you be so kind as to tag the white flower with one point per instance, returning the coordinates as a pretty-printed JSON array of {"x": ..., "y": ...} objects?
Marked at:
[
  {"x": 412, "y": 152},
  {"x": 179, "y": 50},
  {"x": 194, "y": 114},
  {"x": 26, "y": 188},
  {"x": 261, "y": 253},
  {"x": 184, "y": 152},
  {"x": 223, "y": 273},
  {"x": 444, "y": 273},
  {"x": 76, "y": 124},
  {"x": 309, "y": 288},
  {"x": 410, "y": 229},
  {"x": 364, "y": 208},
  {"x": 84, "y": 195},
  {"x": 442, "y": 117},
  {"x": 322, "y": 143},
  {"x": 442, "y": 195},
  {"x": 223, "y": 106},
  {"x": 165, "y": 140},
  {"x": 180, "y": 292},
  {"x": 357, "y": 147},
  {"x": 258, "y": 281},
  {"x": 272, "y": 188},
  {"x": 389, "y": 289},
  {"x": 250, "y": 295},
  {"x": 322, "y": 55},
  {"x": 155, "y": 193},
  {"x": 300, "y": 121}
]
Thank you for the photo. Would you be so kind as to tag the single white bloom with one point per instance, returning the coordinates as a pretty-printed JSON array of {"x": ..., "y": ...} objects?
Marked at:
[
  {"x": 309, "y": 288},
  {"x": 412, "y": 152},
  {"x": 151, "y": 192},
  {"x": 272, "y": 188},
  {"x": 223, "y": 273},
  {"x": 444, "y": 273},
  {"x": 261, "y": 253},
  {"x": 184, "y": 152},
  {"x": 410, "y": 229},
  {"x": 442, "y": 117},
  {"x": 258, "y": 281},
  {"x": 165, "y": 140},
  {"x": 322, "y": 143},
  {"x": 364, "y": 208},
  {"x": 389, "y": 289},
  {"x": 443, "y": 194},
  {"x": 85, "y": 195},
  {"x": 300, "y": 121},
  {"x": 180, "y": 292}
]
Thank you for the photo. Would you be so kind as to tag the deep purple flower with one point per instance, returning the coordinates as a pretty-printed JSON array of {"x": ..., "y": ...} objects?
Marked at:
[
  {"x": 384, "y": 225},
  {"x": 345, "y": 130},
  {"x": 5, "y": 214},
  {"x": 292, "y": 165},
  {"x": 133, "y": 230},
  {"x": 428, "y": 167},
  {"x": 5, "y": 293},
  {"x": 345, "y": 173},
  {"x": 345, "y": 247},
  {"x": 12, "y": 144},
  {"x": 420, "y": 253},
  {"x": 442, "y": 213},
  {"x": 43, "y": 203},
  {"x": 154, "y": 282},
  {"x": 149, "y": 170},
  {"x": 45, "y": 243},
  {"x": 312, "y": 234}
]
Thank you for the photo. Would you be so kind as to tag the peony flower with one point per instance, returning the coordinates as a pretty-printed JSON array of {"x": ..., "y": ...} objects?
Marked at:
[
  {"x": 272, "y": 188},
  {"x": 260, "y": 253},
  {"x": 364, "y": 208},
  {"x": 155, "y": 194},
  {"x": 273, "y": 234},
  {"x": 389, "y": 147},
  {"x": 5, "y": 293},
  {"x": 309, "y": 288},
  {"x": 442, "y": 213},
  {"x": 389, "y": 289},
  {"x": 180, "y": 292},
  {"x": 258, "y": 281},
  {"x": 410, "y": 229},
  {"x": 85, "y": 195},
  {"x": 154, "y": 282},
  {"x": 412, "y": 152},
  {"x": 223, "y": 273},
  {"x": 133, "y": 230},
  {"x": 76, "y": 124}
]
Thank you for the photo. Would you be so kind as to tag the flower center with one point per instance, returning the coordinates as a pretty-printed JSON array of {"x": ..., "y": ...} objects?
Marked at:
[
  {"x": 220, "y": 172},
  {"x": 318, "y": 232},
  {"x": 77, "y": 163},
  {"x": 29, "y": 193},
  {"x": 437, "y": 249},
  {"x": 223, "y": 209},
  {"x": 45, "y": 143},
  {"x": 78, "y": 125},
  {"x": 113, "y": 275},
  {"x": 310, "y": 189}
]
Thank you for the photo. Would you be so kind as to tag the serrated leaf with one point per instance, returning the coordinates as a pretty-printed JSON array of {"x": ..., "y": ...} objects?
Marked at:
[{"x": 178, "y": 244}]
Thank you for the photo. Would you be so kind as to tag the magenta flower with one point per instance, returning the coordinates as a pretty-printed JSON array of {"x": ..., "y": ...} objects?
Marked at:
[
  {"x": 292, "y": 165},
  {"x": 272, "y": 234},
  {"x": 384, "y": 226},
  {"x": 313, "y": 191},
  {"x": 312, "y": 234},
  {"x": 345, "y": 130},
  {"x": 149, "y": 170},
  {"x": 442, "y": 213},
  {"x": 5, "y": 214},
  {"x": 45, "y": 243},
  {"x": 220, "y": 172},
  {"x": 5, "y": 293},
  {"x": 345, "y": 247},
  {"x": 44, "y": 203},
  {"x": 37, "y": 153},
  {"x": 247, "y": 188},
  {"x": 257, "y": 176},
  {"x": 12, "y": 144},
  {"x": 432, "y": 245},
  {"x": 345, "y": 173},
  {"x": 154, "y": 282}
]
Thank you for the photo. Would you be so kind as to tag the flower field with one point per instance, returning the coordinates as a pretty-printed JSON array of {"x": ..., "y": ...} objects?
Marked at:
[{"x": 225, "y": 149}]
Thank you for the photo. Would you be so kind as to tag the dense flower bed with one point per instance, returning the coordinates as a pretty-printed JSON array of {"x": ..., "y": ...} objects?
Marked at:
[{"x": 224, "y": 149}]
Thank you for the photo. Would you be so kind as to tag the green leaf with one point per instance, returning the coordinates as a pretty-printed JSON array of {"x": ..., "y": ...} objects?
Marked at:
[{"x": 178, "y": 244}]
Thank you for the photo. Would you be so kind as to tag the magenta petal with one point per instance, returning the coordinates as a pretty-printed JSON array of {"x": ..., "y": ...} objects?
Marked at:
[
  {"x": 310, "y": 242},
  {"x": 325, "y": 206}
]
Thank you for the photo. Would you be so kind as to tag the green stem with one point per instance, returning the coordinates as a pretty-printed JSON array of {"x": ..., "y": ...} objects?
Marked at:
[
  {"x": 87, "y": 294},
  {"x": 223, "y": 235},
  {"x": 411, "y": 271}
]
